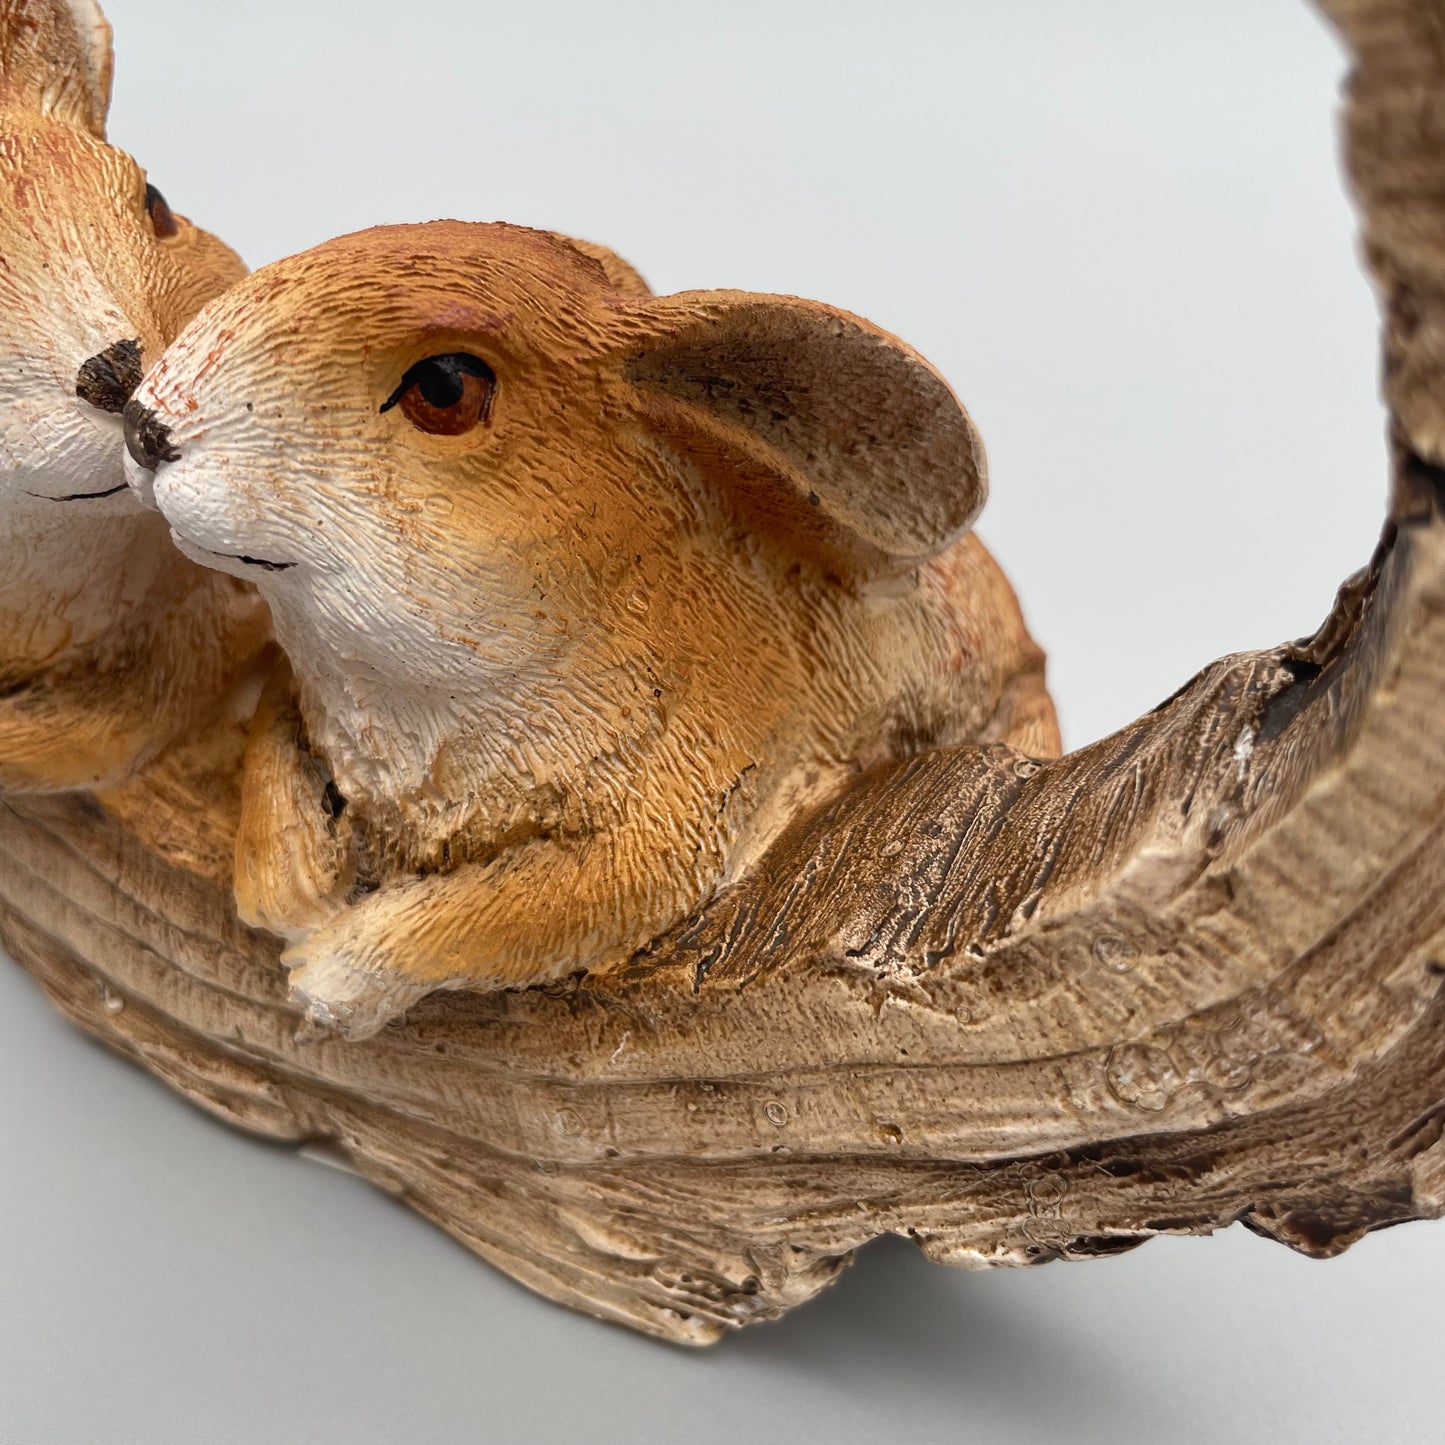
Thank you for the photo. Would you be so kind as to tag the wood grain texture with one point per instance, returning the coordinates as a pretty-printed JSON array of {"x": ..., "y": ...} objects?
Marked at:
[{"x": 1016, "y": 1009}]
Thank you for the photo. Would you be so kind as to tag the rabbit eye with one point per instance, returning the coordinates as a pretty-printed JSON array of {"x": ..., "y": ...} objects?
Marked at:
[
  {"x": 445, "y": 395},
  {"x": 162, "y": 218}
]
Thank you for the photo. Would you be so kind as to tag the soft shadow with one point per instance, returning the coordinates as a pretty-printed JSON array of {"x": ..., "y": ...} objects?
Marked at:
[{"x": 897, "y": 1322}]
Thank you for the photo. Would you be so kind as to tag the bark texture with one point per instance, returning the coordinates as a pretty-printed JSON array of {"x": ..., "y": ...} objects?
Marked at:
[{"x": 1017, "y": 1010}]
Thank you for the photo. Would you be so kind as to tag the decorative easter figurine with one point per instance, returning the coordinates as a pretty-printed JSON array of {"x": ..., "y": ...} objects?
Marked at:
[
  {"x": 111, "y": 643},
  {"x": 661, "y": 760},
  {"x": 586, "y": 593}
]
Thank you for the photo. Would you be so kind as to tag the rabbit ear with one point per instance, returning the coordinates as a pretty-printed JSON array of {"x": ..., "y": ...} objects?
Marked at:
[
  {"x": 618, "y": 274},
  {"x": 55, "y": 60},
  {"x": 834, "y": 431}
]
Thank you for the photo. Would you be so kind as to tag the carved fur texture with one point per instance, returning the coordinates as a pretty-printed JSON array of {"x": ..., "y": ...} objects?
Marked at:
[
  {"x": 111, "y": 643},
  {"x": 561, "y": 677},
  {"x": 1015, "y": 1008}
]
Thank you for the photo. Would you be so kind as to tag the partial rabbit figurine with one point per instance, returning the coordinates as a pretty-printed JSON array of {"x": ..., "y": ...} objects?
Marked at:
[
  {"x": 587, "y": 593},
  {"x": 111, "y": 643}
]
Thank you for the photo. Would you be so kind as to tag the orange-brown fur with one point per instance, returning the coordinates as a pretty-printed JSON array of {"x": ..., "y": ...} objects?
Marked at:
[
  {"x": 555, "y": 681},
  {"x": 111, "y": 643}
]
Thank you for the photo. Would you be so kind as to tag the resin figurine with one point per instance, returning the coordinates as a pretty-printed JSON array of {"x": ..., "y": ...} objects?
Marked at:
[
  {"x": 112, "y": 645},
  {"x": 651, "y": 854}
]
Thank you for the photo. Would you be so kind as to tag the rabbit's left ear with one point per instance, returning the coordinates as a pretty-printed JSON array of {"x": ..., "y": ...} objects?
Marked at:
[
  {"x": 55, "y": 60},
  {"x": 830, "y": 431}
]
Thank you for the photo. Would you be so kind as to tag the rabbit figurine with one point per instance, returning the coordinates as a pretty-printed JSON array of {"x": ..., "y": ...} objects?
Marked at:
[
  {"x": 111, "y": 643},
  {"x": 585, "y": 592}
]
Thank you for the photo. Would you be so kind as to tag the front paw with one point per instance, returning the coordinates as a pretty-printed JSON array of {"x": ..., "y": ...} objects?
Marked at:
[{"x": 343, "y": 990}]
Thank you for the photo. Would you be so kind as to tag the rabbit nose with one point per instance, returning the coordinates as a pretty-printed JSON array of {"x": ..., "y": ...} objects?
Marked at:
[
  {"x": 146, "y": 438},
  {"x": 107, "y": 380}
]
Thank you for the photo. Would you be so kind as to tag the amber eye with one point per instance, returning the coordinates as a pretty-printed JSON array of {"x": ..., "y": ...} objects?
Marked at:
[
  {"x": 445, "y": 395},
  {"x": 163, "y": 219}
]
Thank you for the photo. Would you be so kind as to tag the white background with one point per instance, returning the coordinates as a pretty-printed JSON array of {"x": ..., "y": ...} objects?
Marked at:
[{"x": 1118, "y": 229}]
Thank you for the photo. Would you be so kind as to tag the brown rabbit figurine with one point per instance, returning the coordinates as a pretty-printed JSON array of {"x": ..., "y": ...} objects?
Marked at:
[
  {"x": 111, "y": 642},
  {"x": 586, "y": 593}
]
